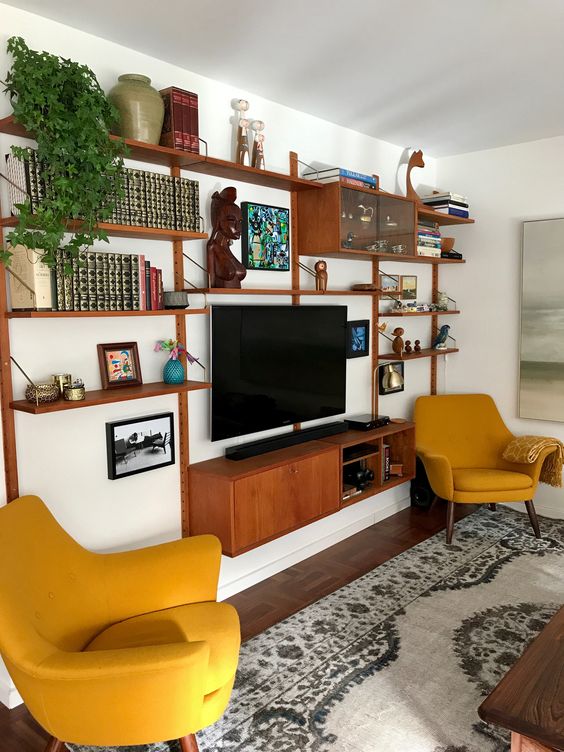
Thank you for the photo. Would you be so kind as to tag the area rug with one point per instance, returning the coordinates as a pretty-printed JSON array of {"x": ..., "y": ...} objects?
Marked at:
[{"x": 401, "y": 658}]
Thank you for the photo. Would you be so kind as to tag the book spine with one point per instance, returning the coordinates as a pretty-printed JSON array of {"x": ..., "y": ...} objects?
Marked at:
[
  {"x": 67, "y": 281},
  {"x": 186, "y": 121},
  {"x": 60, "y": 280},
  {"x": 426, "y": 251},
  {"x": 34, "y": 273},
  {"x": 386, "y": 462},
  {"x": 177, "y": 203},
  {"x": 358, "y": 176},
  {"x": 160, "y": 301},
  {"x": 135, "y": 284},
  {"x": 148, "y": 300},
  {"x": 154, "y": 290},
  {"x": 172, "y": 134},
  {"x": 83, "y": 280},
  {"x": 119, "y": 282},
  {"x": 453, "y": 211},
  {"x": 194, "y": 123},
  {"x": 112, "y": 295},
  {"x": 142, "y": 284},
  {"x": 357, "y": 183},
  {"x": 91, "y": 276},
  {"x": 126, "y": 281},
  {"x": 75, "y": 285},
  {"x": 100, "y": 305}
]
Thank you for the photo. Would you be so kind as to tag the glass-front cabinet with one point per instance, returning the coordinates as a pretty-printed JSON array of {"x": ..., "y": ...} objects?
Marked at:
[{"x": 342, "y": 221}]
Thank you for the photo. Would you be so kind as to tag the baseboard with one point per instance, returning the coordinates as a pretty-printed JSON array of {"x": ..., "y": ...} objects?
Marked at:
[
  {"x": 9, "y": 695},
  {"x": 313, "y": 547},
  {"x": 556, "y": 511}
]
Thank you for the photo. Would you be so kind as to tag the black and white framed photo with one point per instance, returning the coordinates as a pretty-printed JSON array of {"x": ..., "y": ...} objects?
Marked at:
[
  {"x": 138, "y": 445},
  {"x": 358, "y": 338}
]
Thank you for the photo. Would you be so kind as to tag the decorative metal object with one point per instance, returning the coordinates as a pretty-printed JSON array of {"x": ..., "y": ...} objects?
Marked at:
[
  {"x": 61, "y": 380},
  {"x": 176, "y": 299},
  {"x": 41, "y": 394},
  {"x": 75, "y": 391}
]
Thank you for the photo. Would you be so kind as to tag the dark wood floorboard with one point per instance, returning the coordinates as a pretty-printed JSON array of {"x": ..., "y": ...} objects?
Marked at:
[{"x": 289, "y": 591}]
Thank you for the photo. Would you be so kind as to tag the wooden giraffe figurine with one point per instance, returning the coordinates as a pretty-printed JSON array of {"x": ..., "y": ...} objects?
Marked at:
[{"x": 415, "y": 160}]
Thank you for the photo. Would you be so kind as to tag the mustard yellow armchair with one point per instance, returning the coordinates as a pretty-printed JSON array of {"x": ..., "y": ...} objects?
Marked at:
[
  {"x": 460, "y": 439},
  {"x": 113, "y": 649}
]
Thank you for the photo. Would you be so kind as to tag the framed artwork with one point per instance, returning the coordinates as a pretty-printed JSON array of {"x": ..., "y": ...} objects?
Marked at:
[
  {"x": 265, "y": 237},
  {"x": 398, "y": 367},
  {"x": 408, "y": 287},
  {"x": 119, "y": 365},
  {"x": 390, "y": 283},
  {"x": 358, "y": 338},
  {"x": 138, "y": 445},
  {"x": 541, "y": 361}
]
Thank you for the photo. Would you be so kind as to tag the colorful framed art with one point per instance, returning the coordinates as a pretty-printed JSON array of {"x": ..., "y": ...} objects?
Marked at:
[
  {"x": 119, "y": 365},
  {"x": 266, "y": 237}
]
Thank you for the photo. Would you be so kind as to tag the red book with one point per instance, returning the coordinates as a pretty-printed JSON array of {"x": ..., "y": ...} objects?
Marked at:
[
  {"x": 160, "y": 296},
  {"x": 142, "y": 284},
  {"x": 154, "y": 290},
  {"x": 172, "y": 132},
  {"x": 194, "y": 127},
  {"x": 186, "y": 135}
]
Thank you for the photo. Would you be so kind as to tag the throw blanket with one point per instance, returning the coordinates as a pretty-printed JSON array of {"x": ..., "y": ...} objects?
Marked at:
[{"x": 526, "y": 449}]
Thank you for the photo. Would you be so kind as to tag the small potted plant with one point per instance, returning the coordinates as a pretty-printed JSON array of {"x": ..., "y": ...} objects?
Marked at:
[{"x": 173, "y": 370}]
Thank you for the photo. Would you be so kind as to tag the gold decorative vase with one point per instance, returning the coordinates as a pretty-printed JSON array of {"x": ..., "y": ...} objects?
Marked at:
[
  {"x": 74, "y": 393},
  {"x": 140, "y": 107}
]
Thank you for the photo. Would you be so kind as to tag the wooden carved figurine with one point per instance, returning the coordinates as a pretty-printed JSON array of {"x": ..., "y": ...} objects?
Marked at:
[
  {"x": 321, "y": 275},
  {"x": 397, "y": 342},
  {"x": 258, "y": 145},
  {"x": 415, "y": 160},
  {"x": 224, "y": 269},
  {"x": 408, "y": 347},
  {"x": 417, "y": 345},
  {"x": 242, "y": 157}
]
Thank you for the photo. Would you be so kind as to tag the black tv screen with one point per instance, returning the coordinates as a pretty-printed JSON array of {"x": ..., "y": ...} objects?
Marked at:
[{"x": 276, "y": 365}]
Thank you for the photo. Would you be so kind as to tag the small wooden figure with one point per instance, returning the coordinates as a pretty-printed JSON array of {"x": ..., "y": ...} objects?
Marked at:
[
  {"x": 382, "y": 327},
  {"x": 415, "y": 160},
  {"x": 242, "y": 157},
  {"x": 417, "y": 345},
  {"x": 397, "y": 342},
  {"x": 223, "y": 268},
  {"x": 321, "y": 275},
  {"x": 258, "y": 145},
  {"x": 408, "y": 347}
]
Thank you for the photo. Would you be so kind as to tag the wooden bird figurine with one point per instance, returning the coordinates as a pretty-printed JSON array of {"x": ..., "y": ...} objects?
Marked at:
[
  {"x": 417, "y": 345},
  {"x": 382, "y": 327},
  {"x": 397, "y": 342},
  {"x": 321, "y": 275},
  {"x": 415, "y": 160},
  {"x": 408, "y": 347}
]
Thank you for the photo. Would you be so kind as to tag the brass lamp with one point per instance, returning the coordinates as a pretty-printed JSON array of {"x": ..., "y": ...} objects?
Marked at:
[{"x": 391, "y": 380}]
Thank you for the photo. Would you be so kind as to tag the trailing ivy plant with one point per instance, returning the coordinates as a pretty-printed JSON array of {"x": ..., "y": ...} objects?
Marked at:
[{"x": 61, "y": 104}]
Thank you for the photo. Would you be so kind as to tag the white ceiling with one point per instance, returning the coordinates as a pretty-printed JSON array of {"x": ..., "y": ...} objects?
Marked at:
[{"x": 448, "y": 76}]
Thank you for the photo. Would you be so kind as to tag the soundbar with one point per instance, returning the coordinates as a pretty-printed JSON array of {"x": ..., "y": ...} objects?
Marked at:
[{"x": 253, "y": 448}]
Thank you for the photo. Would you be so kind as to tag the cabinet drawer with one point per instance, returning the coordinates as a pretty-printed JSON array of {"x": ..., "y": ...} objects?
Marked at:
[{"x": 276, "y": 501}]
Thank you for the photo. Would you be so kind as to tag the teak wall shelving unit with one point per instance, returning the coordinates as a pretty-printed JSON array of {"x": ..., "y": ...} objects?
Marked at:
[{"x": 299, "y": 188}]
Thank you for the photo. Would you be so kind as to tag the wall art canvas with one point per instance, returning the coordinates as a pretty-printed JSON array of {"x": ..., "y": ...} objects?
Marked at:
[
  {"x": 119, "y": 364},
  {"x": 266, "y": 237},
  {"x": 358, "y": 338},
  {"x": 541, "y": 389},
  {"x": 138, "y": 445}
]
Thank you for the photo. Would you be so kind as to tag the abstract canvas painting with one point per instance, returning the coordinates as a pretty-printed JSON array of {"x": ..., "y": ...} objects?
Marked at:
[
  {"x": 265, "y": 238},
  {"x": 541, "y": 389}
]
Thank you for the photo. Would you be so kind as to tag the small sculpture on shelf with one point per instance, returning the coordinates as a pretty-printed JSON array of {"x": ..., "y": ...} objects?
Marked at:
[
  {"x": 349, "y": 241},
  {"x": 415, "y": 160},
  {"x": 397, "y": 342},
  {"x": 223, "y": 268},
  {"x": 74, "y": 391},
  {"x": 439, "y": 343},
  {"x": 258, "y": 145},
  {"x": 408, "y": 347},
  {"x": 417, "y": 345},
  {"x": 242, "y": 124},
  {"x": 321, "y": 275}
]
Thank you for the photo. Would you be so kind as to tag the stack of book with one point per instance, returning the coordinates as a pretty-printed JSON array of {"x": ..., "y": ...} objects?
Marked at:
[
  {"x": 150, "y": 199},
  {"x": 180, "y": 125},
  {"x": 345, "y": 177},
  {"x": 428, "y": 239},
  {"x": 95, "y": 281},
  {"x": 448, "y": 203}
]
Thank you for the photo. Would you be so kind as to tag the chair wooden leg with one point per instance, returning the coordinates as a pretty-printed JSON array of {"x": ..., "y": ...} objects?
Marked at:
[
  {"x": 55, "y": 745},
  {"x": 533, "y": 518},
  {"x": 189, "y": 743},
  {"x": 492, "y": 507},
  {"x": 450, "y": 521}
]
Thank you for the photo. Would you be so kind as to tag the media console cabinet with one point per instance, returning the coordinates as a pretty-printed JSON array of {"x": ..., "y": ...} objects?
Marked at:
[{"x": 253, "y": 501}]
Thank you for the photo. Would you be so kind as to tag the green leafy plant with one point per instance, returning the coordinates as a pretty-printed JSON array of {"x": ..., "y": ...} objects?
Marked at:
[{"x": 61, "y": 104}]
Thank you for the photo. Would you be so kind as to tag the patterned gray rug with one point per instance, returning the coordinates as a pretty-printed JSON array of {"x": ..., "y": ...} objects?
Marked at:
[{"x": 401, "y": 658}]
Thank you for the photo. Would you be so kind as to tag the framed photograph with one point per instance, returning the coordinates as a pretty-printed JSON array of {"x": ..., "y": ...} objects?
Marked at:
[
  {"x": 358, "y": 338},
  {"x": 138, "y": 445},
  {"x": 266, "y": 237},
  {"x": 408, "y": 287},
  {"x": 390, "y": 283},
  {"x": 398, "y": 367},
  {"x": 119, "y": 365}
]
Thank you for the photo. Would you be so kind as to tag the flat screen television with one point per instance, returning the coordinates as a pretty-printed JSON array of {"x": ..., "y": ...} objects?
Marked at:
[{"x": 276, "y": 365}]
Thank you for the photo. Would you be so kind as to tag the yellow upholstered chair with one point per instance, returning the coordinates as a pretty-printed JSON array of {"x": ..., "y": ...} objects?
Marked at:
[
  {"x": 113, "y": 649},
  {"x": 461, "y": 438}
]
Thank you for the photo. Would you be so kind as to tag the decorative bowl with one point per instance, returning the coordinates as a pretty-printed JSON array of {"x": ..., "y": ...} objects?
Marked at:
[{"x": 41, "y": 394}]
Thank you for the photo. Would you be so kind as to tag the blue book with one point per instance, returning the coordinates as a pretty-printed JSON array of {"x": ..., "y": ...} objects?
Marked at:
[{"x": 332, "y": 173}]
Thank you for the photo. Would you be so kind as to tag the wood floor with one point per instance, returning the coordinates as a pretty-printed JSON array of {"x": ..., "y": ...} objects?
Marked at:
[{"x": 287, "y": 592}]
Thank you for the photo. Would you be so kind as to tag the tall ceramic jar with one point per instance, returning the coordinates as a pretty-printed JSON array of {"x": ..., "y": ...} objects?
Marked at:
[{"x": 140, "y": 107}]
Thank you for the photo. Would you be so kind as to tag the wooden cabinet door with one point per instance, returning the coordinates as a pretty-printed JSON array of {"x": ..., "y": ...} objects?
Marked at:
[{"x": 274, "y": 502}]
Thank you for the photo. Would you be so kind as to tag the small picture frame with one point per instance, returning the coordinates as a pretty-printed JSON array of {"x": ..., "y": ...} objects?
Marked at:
[
  {"x": 138, "y": 445},
  {"x": 358, "y": 338},
  {"x": 390, "y": 283},
  {"x": 119, "y": 365},
  {"x": 408, "y": 287},
  {"x": 399, "y": 368},
  {"x": 265, "y": 240}
]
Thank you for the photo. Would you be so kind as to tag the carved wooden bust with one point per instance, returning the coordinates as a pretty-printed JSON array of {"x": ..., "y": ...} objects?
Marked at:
[{"x": 224, "y": 269}]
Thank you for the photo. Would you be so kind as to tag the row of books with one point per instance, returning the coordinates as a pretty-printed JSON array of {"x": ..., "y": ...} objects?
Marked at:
[
  {"x": 180, "y": 125},
  {"x": 448, "y": 203},
  {"x": 150, "y": 199},
  {"x": 428, "y": 239},
  {"x": 98, "y": 281},
  {"x": 342, "y": 175}
]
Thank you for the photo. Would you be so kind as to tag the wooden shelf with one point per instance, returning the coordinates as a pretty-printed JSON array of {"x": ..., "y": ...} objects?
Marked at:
[
  {"x": 248, "y": 291},
  {"x": 375, "y": 489},
  {"x": 361, "y": 255},
  {"x": 103, "y": 314},
  {"x": 361, "y": 457},
  {"x": 442, "y": 219},
  {"x": 107, "y": 396},
  {"x": 384, "y": 314},
  {"x": 427, "y": 353},
  {"x": 221, "y": 168},
  {"x": 126, "y": 231}
]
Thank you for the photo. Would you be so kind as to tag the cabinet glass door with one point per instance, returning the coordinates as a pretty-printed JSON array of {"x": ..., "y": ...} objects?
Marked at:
[{"x": 372, "y": 222}]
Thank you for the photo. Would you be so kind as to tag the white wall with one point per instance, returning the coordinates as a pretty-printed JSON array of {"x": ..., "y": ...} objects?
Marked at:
[
  {"x": 62, "y": 456},
  {"x": 506, "y": 186}
]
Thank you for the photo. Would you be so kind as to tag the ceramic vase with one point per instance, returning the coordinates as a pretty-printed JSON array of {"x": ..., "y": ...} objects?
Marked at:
[
  {"x": 140, "y": 107},
  {"x": 173, "y": 372}
]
